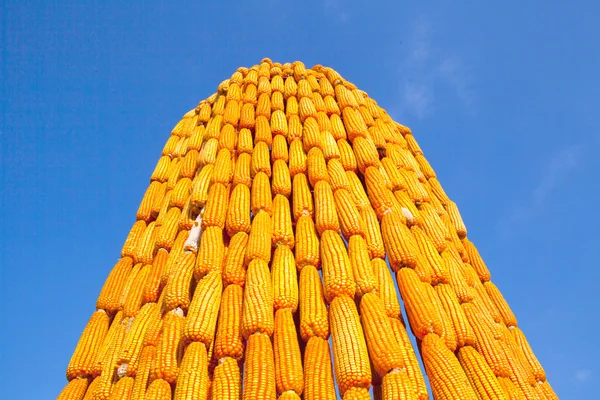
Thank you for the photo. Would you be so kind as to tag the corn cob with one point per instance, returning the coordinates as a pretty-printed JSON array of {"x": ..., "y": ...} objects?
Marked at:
[
  {"x": 74, "y": 390},
  {"x": 283, "y": 233},
  {"x": 302, "y": 198},
  {"x": 122, "y": 389},
  {"x": 311, "y": 135},
  {"x": 192, "y": 379},
  {"x": 177, "y": 291},
  {"x": 298, "y": 159},
  {"x": 325, "y": 215},
  {"x": 384, "y": 350},
  {"x": 507, "y": 315},
  {"x": 215, "y": 210},
  {"x": 259, "y": 241},
  {"x": 480, "y": 375},
  {"x": 284, "y": 278},
  {"x": 447, "y": 378},
  {"x": 347, "y": 157},
  {"x": 143, "y": 373},
  {"x": 279, "y": 149},
  {"x": 133, "y": 342},
  {"x": 131, "y": 281},
  {"x": 110, "y": 295},
  {"x": 397, "y": 386},
  {"x": 227, "y": 383},
  {"x": 318, "y": 375},
  {"x": 362, "y": 270},
  {"x": 351, "y": 360},
  {"x": 357, "y": 393},
  {"x": 238, "y": 212},
  {"x": 307, "y": 243},
  {"x": 259, "y": 369},
  {"x": 227, "y": 140},
  {"x": 313, "y": 310},
  {"x": 200, "y": 186},
  {"x": 159, "y": 389},
  {"x": 81, "y": 363},
  {"x": 109, "y": 361},
  {"x": 260, "y": 159},
  {"x": 372, "y": 233},
  {"x": 201, "y": 321},
  {"x": 337, "y": 270},
  {"x": 399, "y": 242},
  {"x": 288, "y": 360},
  {"x": 257, "y": 312},
  {"x": 351, "y": 223},
  {"x": 281, "y": 182},
  {"x": 534, "y": 364},
  {"x": 317, "y": 167}
]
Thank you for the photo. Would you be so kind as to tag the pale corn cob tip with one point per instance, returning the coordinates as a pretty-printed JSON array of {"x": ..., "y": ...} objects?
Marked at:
[{"x": 278, "y": 215}]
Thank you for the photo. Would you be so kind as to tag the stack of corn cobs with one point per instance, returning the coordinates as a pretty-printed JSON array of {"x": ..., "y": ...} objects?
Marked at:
[{"x": 263, "y": 259}]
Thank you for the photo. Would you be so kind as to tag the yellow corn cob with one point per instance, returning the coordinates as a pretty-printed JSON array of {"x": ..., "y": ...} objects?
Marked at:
[
  {"x": 257, "y": 312},
  {"x": 297, "y": 162},
  {"x": 165, "y": 237},
  {"x": 290, "y": 88},
  {"x": 227, "y": 140},
  {"x": 351, "y": 359},
  {"x": 366, "y": 153},
  {"x": 169, "y": 349},
  {"x": 331, "y": 106},
  {"x": 547, "y": 391},
  {"x": 351, "y": 223},
  {"x": 311, "y": 135},
  {"x": 277, "y": 103},
  {"x": 437, "y": 265},
  {"x": 233, "y": 264},
  {"x": 223, "y": 168},
  {"x": 313, "y": 310},
  {"x": 534, "y": 364},
  {"x": 277, "y": 83},
  {"x": 169, "y": 147},
  {"x": 143, "y": 373},
  {"x": 193, "y": 374},
  {"x": 74, "y": 390},
  {"x": 337, "y": 270},
  {"x": 345, "y": 98},
  {"x": 101, "y": 354},
  {"x": 134, "y": 236},
  {"x": 294, "y": 124},
  {"x": 232, "y": 111},
  {"x": 480, "y": 375},
  {"x": 325, "y": 216},
  {"x": 159, "y": 389},
  {"x": 449, "y": 302},
  {"x": 283, "y": 233},
  {"x": 215, "y": 211},
  {"x": 485, "y": 343},
  {"x": 145, "y": 210},
  {"x": 260, "y": 159},
  {"x": 89, "y": 344},
  {"x": 397, "y": 386},
  {"x": 180, "y": 193},
  {"x": 200, "y": 186},
  {"x": 284, "y": 278},
  {"x": 399, "y": 242},
  {"x": 325, "y": 88},
  {"x": 288, "y": 360},
  {"x": 318, "y": 376},
  {"x": 306, "y": 108},
  {"x": 329, "y": 145},
  {"x": 356, "y": 393},
  {"x": 354, "y": 124},
  {"x": 302, "y": 198},
  {"x": 109, "y": 361},
  {"x": 201, "y": 321},
  {"x": 362, "y": 270},
  {"x": 110, "y": 295},
  {"x": 261, "y": 198},
  {"x": 307, "y": 243},
  {"x": 281, "y": 182},
  {"x": 384, "y": 350},
  {"x": 476, "y": 260},
  {"x": 456, "y": 219},
  {"x": 317, "y": 168},
  {"x": 279, "y": 150},
  {"x": 507, "y": 315},
  {"x": 244, "y": 144},
  {"x": 259, "y": 241},
  {"x": 382, "y": 199},
  {"x": 386, "y": 288},
  {"x": 262, "y": 130},
  {"x": 227, "y": 382},
  {"x": 447, "y": 378},
  {"x": 174, "y": 254},
  {"x": 422, "y": 315},
  {"x": 238, "y": 211},
  {"x": 346, "y": 153},
  {"x": 247, "y": 116},
  {"x": 207, "y": 155},
  {"x": 144, "y": 252},
  {"x": 133, "y": 300},
  {"x": 448, "y": 333},
  {"x": 228, "y": 341},
  {"x": 337, "y": 176},
  {"x": 158, "y": 199},
  {"x": 458, "y": 282},
  {"x": 160, "y": 173},
  {"x": 122, "y": 389},
  {"x": 259, "y": 369},
  {"x": 204, "y": 112},
  {"x": 133, "y": 342},
  {"x": 177, "y": 291}
]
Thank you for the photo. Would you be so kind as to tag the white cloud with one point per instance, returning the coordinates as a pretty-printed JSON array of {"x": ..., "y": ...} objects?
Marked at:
[
  {"x": 583, "y": 375},
  {"x": 427, "y": 68}
]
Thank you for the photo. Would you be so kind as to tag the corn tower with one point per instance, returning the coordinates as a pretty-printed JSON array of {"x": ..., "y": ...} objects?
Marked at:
[{"x": 265, "y": 255}]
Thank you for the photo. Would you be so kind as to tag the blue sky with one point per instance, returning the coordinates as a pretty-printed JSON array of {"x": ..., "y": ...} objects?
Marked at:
[{"x": 501, "y": 99}]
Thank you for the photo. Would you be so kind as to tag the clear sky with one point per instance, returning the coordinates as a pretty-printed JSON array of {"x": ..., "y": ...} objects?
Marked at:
[{"x": 504, "y": 100}]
